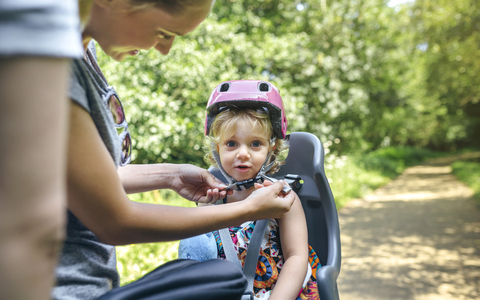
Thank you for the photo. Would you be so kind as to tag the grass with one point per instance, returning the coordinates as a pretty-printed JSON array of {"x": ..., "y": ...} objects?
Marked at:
[
  {"x": 350, "y": 177},
  {"x": 468, "y": 171},
  {"x": 353, "y": 177},
  {"x": 349, "y": 181}
]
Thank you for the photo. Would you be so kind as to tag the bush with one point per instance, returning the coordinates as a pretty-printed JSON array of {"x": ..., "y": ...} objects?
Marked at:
[{"x": 391, "y": 161}]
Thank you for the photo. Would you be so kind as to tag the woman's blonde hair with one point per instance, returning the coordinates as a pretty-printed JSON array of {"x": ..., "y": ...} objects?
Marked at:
[
  {"x": 84, "y": 7},
  {"x": 225, "y": 124}
]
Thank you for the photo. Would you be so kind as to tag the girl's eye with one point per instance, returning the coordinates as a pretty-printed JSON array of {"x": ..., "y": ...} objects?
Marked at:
[
  {"x": 256, "y": 144},
  {"x": 230, "y": 144}
]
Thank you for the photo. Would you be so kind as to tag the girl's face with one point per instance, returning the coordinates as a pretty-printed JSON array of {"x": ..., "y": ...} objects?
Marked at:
[
  {"x": 243, "y": 154},
  {"x": 122, "y": 30}
]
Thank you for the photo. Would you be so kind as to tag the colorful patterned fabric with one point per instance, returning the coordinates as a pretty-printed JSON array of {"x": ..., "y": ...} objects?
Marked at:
[{"x": 270, "y": 261}]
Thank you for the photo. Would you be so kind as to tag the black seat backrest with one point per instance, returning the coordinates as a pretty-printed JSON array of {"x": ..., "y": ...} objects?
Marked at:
[{"x": 306, "y": 158}]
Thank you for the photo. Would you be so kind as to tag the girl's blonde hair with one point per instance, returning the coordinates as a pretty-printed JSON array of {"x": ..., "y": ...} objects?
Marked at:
[{"x": 225, "y": 124}]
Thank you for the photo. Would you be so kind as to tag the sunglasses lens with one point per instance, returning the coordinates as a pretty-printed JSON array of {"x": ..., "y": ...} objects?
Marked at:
[
  {"x": 116, "y": 109},
  {"x": 126, "y": 148},
  {"x": 118, "y": 116}
]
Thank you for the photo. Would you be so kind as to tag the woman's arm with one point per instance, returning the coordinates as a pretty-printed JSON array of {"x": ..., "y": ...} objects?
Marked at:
[
  {"x": 294, "y": 237},
  {"x": 97, "y": 197},
  {"x": 191, "y": 182},
  {"x": 33, "y": 120}
]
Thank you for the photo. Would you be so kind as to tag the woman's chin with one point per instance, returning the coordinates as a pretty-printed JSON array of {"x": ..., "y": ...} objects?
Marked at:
[{"x": 120, "y": 56}]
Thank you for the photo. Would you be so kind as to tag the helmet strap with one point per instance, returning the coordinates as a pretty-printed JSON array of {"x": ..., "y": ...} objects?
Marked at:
[
  {"x": 216, "y": 157},
  {"x": 265, "y": 168}
]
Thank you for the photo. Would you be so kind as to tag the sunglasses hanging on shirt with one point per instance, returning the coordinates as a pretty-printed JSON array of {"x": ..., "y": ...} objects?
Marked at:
[
  {"x": 118, "y": 115},
  {"x": 115, "y": 106}
]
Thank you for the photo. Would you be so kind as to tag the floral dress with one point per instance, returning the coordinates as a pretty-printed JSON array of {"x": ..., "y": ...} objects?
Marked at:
[{"x": 270, "y": 261}]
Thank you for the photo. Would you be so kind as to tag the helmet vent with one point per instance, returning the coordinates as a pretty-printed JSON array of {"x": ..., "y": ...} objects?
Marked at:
[
  {"x": 224, "y": 87},
  {"x": 263, "y": 87}
]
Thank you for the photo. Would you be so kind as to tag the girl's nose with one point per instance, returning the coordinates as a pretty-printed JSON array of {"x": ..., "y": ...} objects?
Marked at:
[{"x": 243, "y": 152}]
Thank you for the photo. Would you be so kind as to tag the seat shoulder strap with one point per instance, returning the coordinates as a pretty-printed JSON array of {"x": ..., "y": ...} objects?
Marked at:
[
  {"x": 228, "y": 247},
  {"x": 251, "y": 260}
]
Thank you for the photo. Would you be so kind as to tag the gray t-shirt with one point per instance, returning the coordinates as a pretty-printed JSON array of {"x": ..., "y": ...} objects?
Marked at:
[
  {"x": 87, "y": 267},
  {"x": 40, "y": 28}
]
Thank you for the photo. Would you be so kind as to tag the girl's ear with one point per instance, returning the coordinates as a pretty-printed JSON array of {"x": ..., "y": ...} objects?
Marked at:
[
  {"x": 273, "y": 142},
  {"x": 274, "y": 145}
]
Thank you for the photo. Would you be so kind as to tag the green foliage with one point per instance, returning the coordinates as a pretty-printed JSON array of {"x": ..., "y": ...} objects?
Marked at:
[
  {"x": 349, "y": 71},
  {"x": 468, "y": 171},
  {"x": 449, "y": 63}
]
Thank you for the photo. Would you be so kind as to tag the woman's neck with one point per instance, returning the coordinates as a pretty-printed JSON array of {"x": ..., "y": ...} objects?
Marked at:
[{"x": 86, "y": 39}]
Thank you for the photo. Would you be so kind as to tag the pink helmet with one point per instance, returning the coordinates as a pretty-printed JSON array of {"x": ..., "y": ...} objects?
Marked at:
[{"x": 248, "y": 94}]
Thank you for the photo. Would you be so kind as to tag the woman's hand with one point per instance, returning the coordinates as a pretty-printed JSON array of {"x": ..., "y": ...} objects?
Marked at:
[
  {"x": 190, "y": 182},
  {"x": 198, "y": 185},
  {"x": 268, "y": 200}
]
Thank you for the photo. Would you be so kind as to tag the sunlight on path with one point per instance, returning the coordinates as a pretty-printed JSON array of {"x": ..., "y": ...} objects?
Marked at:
[{"x": 416, "y": 238}]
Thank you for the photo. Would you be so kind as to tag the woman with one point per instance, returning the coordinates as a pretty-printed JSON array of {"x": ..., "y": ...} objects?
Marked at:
[
  {"x": 38, "y": 40},
  {"x": 100, "y": 213}
]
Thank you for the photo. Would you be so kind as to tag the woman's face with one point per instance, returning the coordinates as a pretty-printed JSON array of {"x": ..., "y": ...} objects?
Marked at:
[{"x": 123, "y": 30}]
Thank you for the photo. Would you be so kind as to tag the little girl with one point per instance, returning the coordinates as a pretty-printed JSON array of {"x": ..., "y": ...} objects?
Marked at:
[{"x": 246, "y": 129}]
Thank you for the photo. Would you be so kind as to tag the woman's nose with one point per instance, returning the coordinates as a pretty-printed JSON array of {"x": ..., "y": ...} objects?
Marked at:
[{"x": 164, "y": 45}]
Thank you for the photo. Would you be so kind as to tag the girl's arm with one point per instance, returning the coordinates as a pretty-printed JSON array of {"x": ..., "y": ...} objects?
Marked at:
[
  {"x": 294, "y": 239},
  {"x": 97, "y": 197}
]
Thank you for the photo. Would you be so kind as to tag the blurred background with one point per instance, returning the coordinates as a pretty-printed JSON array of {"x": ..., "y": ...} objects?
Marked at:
[{"x": 383, "y": 84}]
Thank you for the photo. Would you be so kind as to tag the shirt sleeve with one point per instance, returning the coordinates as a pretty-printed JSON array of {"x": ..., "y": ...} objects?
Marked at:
[
  {"x": 76, "y": 90},
  {"x": 40, "y": 28}
]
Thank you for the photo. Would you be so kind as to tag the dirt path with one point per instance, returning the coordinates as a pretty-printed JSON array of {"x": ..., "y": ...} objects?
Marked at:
[{"x": 416, "y": 238}]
